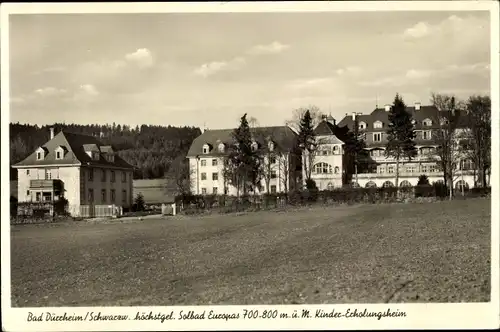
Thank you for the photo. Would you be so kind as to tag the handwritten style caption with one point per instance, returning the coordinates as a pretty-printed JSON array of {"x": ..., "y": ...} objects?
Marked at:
[{"x": 244, "y": 314}]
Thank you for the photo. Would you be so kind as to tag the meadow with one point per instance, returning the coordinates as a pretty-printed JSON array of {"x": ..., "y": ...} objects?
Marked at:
[{"x": 418, "y": 252}]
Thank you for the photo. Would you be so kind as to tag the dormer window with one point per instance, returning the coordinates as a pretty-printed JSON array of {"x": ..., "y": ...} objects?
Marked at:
[
  {"x": 40, "y": 153},
  {"x": 427, "y": 122},
  {"x": 95, "y": 155},
  {"x": 221, "y": 147},
  {"x": 444, "y": 122},
  {"x": 377, "y": 124},
  {"x": 206, "y": 149},
  {"x": 254, "y": 146},
  {"x": 362, "y": 125},
  {"x": 60, "y": 152}
]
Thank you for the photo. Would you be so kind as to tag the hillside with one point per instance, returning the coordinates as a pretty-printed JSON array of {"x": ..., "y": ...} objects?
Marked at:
[{"x": 151, "y": 149}]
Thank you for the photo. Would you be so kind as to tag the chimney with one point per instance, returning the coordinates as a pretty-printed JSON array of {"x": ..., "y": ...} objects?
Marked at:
[
  {"x": 51, "y": 132},
  {"x": 353, "y": 116},
  {"x": 417, "y": 106},
  {"x": 387, "y": 107}
]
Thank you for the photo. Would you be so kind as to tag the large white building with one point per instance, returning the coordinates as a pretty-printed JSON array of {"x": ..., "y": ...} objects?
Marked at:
[
  {"x": 276, "y": 144},
  {"x": 79, "y": 168},
  {"x": 376, "y": 170}
]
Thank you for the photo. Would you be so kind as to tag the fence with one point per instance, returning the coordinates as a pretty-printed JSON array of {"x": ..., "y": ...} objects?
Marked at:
[
  {"x": 193, "y": 204},
  {"x": 93, "y": 211}
]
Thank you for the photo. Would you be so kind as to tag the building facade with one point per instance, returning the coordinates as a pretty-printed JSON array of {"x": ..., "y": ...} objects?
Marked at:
[
  {"x": 377, "y": 170},
  {"x": 209, "y": 151},
  {"x": 78, "y": 168}
]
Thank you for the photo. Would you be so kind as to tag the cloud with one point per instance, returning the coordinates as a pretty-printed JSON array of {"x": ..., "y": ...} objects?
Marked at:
[
  {"x": 273, "y": 48},
  {"x": 48, "y": 70},
  {"x": 451, "y": 25},
  {"x": 211, "y": 68},
  {"x": 50, "y": 92},
  {"x": 350, "y": 70},
  {"x": 418, "y": 74},
  {"x": 310, "y": 83},
  {"x": 419, "y": 30},
  {"x": 89, "y": 89},
  {"x": 142, "y": 57}
]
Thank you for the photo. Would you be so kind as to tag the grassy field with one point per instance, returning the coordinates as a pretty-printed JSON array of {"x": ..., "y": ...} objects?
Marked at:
[{"x": 433, "y": 252}]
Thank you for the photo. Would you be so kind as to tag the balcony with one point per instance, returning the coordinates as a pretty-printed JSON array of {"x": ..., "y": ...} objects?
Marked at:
[{"x": 52, "y": 185}]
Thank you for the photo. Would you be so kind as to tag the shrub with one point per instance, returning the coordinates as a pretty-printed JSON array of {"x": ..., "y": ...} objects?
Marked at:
[
  {"x": 423, "y": 180},
  {"x": 424, "y": 191},
  {"x": 13, "y": 206},
  {"x": 139, "y": 204},
  {"x": 440, "y": 190}
]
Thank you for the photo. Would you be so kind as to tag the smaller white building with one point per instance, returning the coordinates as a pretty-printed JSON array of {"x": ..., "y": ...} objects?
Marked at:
[{"x": 209, "y": 151}]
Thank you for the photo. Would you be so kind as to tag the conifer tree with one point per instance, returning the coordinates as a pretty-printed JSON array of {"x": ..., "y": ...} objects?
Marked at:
[
  {"x": 400, "y": 135},
  {"x": 307, "y": 143}
]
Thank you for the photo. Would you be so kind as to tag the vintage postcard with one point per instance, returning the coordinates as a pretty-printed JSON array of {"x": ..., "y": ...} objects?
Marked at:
[{"x": 250, "y": 165}]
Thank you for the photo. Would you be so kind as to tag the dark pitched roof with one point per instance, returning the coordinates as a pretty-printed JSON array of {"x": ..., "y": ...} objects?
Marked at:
[
  {"x": 75, "y": 145},
  {"x": 283, "y": 137},
  {"x": 425, "y": 112},
  {"x": 325, "y": 128}
]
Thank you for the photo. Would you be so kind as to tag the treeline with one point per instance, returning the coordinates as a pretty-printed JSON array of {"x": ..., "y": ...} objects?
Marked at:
[{"x": 151, "y": 149}]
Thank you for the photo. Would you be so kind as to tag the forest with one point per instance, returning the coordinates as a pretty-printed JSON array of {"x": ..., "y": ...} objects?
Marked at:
[{"x": 150, "y": 148}]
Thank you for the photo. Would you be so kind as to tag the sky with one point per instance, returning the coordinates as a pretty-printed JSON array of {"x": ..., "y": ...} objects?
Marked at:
[{"x": 208, "y": 69}]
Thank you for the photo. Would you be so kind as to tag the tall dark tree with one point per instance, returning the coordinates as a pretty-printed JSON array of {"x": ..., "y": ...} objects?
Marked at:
[
  {"x": 355, "y": 151},
  {"x": 400, "y": 135},
  {"x": 244, "y": 159},
  {"x": 307, "y": 143},
  {"x": 479, "y": 112}
]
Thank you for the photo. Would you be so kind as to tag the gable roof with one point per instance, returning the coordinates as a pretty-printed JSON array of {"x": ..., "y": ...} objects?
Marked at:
[
  {"x": 76, "y": 145},
  {"x": 284, "y": 139},
  {"x": 425, "y": 112}
]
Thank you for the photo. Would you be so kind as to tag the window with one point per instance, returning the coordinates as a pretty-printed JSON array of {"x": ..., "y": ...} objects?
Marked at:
[
  {"x": 214, "y": 162},
  {"x": 124, "y": 177},
  {"x": 426, "y": 134},
  {"x": 377, "y": 153},
  {"x": 27, "y": 192},
  {"x": 206, "y": 149},
  {"x": 214, "y": 190},
  {"x": 273, "y": 174},
  {"x": 387, "y": 184},
  {"x": 48, "y": 174},
  {"x": 203, "y": 191},
  {"x": 103, "y": 175},
  {"x": 270, "y": 146},
  {"x": 405, "y": 183},
  {"x": 377, "y": 124},
  {"x": 103, "y": 195},
  {"x": 215, "y": 176},
  {"x": 322, "y": 168},
  {"x": 38, "y": 155},
  {"x": 58, "y": 155},
  {"x": 337, "y": 170},
  {"x": 444, "y": 122},
  {"x": 377, "y": 137},
  {"x": 124, "y": 196},
  {"x": 427, "y": 122},
  {"x": 380, "y": 169},
  {"x": 325, "y": 152},
  {"x": 221, "y": 147},
  {"x": 113, "y": 197},
  {"x": 362, "y": 125},
  {"x": 38, "y": 197},
  {"x": 91, "y": 174},
  {"x": 91, "y": 195},
  {"x": 273, "y": 189},
  {"x": 272, "y": 160},
  {"x": 255, "y": 146},
  {"x": 371, "y": 184},
  {"x": 203, "y": 176},
  {"x": 390, "y": 169},
  {"x": 203, "y": 162},
  {"x": 27, "y": 172},
  {"x": 424, "y": 169},
  {"x": 336, "y": 149},
  {"x": 467, "y": 165},
  {"x": 112, "y": 176},
  {"x": 410, "y": 169}
]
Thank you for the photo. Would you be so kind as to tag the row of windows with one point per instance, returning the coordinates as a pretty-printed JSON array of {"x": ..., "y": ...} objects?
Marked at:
[
  {"x": 421, "y": 151},
  {"x": 104, "y": 176},
  {"x": 405, "y": 183},
  {"x": 112, "y": 196},
  {"x": 221, "y": 147},
  {"x": 379, "y": 124},
  {"x": 324, "y": 168},
  {"x": 215, "y": 176},
  {"x": 215, "y": 190},
  {"x": 378, "y": 137},
  {"x": 408, "y": 169},
  {"x": 215, "y": 162}
]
